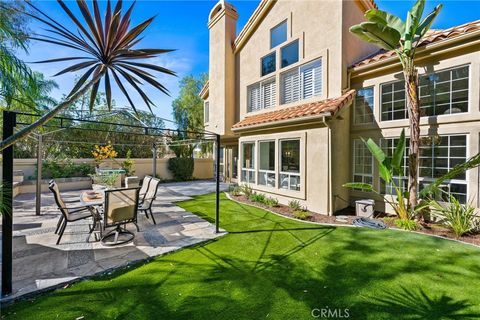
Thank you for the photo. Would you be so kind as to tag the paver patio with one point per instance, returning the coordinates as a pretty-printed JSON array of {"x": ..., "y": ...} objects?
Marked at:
[{"x": 38, "y": 263}]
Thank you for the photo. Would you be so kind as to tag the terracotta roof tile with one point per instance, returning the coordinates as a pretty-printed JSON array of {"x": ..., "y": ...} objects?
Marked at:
[
  {"x": 431, "y": 37},
  {"x": 304, "y": 110}
]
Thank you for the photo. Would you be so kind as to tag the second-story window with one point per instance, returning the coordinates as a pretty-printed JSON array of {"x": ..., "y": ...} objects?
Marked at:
[
  {"x": 278, "y": 34},
  {"x": 302, "y": 82},
  {"x": 289, "y": 54},
  {"x": 363, "y": 111},
  {"x": 262, "y": 95},
  {"x": 268, "y": 64}
]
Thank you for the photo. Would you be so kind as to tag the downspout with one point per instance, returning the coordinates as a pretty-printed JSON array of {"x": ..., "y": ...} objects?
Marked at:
[{"x": 329, "y": 166}]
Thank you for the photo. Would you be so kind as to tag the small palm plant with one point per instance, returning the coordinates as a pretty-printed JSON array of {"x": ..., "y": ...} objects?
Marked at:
[
  {"x": 459, "y": 218},
  {"x": 107, "y": 49},
  {"x": 391, "y": 33}
]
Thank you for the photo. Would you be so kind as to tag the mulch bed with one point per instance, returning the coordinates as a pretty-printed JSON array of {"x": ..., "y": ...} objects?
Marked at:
[{"x": 430, "y": 228}]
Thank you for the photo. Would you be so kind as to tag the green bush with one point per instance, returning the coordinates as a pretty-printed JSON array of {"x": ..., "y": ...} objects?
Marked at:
[
  {"x": 236, "y": 191},
  {"x": 54, "y": 169},
  {"x": 271, "y": 202},
  {"x": 301, "y": 214},
  {"x": 457, "y": 217},
  {"x": 246, "y": 190},
  {"x": 257, "y": 197},
  {"x": 181, "y": 168},
  {"x": 407, "y": 224},
  {"x": 295, "y": 205}
]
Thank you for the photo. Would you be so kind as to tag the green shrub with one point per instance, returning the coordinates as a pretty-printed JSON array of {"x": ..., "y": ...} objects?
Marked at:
[
  {"x": 271, "y": 202},
  {"x": 128, "y": 163},
  {"x": 407, "y": 224},
  {"x": 459, "y": 218},
  {"x": 54, "y": 169},
  {"x": 246, "y": 190},
  {"x": 236, "y": 191},
  {"x": 302, "y": 215},
  {"x": 295, "y": 205},
  {"x": 257, "y": 197},
  {"x": 181, "y": 168}
]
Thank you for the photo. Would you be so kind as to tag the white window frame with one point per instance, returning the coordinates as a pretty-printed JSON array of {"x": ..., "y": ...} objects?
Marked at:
[
  {"x": 355, "y": 113},
  {"x": 261, "y": 86},
  {"x": 301, "y": 83},
  {"x": 289, "y": 174},
  {"x": 267, "y": 172},
  {"x": 253, "y": 162},
  {"x": 206, "y": 112},
  {"x": 363, "y": 175}
]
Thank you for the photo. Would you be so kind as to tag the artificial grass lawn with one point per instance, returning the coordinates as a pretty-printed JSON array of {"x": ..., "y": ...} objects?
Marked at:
[{"x": 269, "y": 267}]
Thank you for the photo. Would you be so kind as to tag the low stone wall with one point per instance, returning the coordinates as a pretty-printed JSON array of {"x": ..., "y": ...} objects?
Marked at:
[{"x": 64, "y": 184}]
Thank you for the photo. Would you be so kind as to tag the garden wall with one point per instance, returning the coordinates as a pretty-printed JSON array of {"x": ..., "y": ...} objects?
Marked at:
[{"x": 142, "y": 167}]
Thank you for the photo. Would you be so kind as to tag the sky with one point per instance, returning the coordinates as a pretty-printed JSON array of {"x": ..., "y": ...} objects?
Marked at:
[{"x": 182, "y": 25}]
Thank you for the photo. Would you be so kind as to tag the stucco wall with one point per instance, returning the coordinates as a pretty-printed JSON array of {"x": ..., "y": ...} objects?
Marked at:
[
  {"x": 203, "y": 167},
  {"x": 462, "y": 123}
]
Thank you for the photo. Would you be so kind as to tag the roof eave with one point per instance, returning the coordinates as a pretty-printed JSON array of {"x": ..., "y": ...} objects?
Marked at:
[
  {"x": 282, "y": 123},
  {"x": 393, "y": 60}
]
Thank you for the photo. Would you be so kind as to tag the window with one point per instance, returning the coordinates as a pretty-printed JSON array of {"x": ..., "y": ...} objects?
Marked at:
[
  {"x": 266, "y": 172},
  {"x": 278, "y": 34},
  {"x": 302, "y": 83},
  {"x": 393, "y": 105},
  {"x": 438, "y": 154},
  {"x": 268, "y": 64},
  {"x": 290, "y": 164},
  {"x": 206, "y": 112},
  {"x": 248, "y": 162},
  {"x": 362, "y": 163},
  {"x": 289, "y": 54},
  {"x": 262, "y": 95},
  {"x": 444, "y": 92},
  {"x": 388, "y": 146},
  {"x": 363, "y": 110}
]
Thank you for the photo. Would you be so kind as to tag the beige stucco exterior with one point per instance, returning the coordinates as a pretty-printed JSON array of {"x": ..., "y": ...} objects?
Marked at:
[{"x": 322, "y": 30}]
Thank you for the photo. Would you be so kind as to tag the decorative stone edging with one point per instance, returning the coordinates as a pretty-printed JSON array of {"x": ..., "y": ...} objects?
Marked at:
[{"x": 347, "y": 225}]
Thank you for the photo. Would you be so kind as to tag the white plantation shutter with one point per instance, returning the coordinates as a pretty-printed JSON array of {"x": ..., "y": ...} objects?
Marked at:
[
  {"x": 311, "y": 76},
  {"x": 290, "y": 87},
  {"x": 269, "y": 94},
  {"x": 254, "y": 97}
]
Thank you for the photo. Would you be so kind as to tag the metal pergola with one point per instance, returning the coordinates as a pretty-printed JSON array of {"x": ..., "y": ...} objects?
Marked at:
[{"x": 12, "y": 119}]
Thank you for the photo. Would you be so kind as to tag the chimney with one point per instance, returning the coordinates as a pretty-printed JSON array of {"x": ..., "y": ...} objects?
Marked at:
[{"x": 222, "y": 25}]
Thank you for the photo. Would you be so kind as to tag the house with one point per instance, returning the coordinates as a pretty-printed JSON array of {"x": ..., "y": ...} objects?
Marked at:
[{"x": 292, "y": 93}]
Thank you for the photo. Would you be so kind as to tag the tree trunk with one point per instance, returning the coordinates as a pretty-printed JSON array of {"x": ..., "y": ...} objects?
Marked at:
[
  {"x": 51, "y": 114},
  {"x": 413, "y": 107}
]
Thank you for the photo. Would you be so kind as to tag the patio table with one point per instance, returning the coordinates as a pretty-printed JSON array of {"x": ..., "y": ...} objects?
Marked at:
[{"x": 92, "y": 198}]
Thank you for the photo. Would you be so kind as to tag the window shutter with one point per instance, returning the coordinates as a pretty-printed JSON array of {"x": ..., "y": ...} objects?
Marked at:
[
  {"x": 311, "y": 76},
  {"x": 269, "y": 94},
  {"x": 254, "y": 99},
  {"x": 290, "y": 87}
]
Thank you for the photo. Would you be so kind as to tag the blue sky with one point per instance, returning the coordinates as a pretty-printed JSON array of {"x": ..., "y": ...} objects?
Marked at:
[{"x": 182, "y": 25}]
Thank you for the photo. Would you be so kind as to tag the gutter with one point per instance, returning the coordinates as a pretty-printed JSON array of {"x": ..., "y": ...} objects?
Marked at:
[
  {"x": 392, "y": 61},
  {"x": 280, "y": 123},
  {"x": 329, "y": 166}
]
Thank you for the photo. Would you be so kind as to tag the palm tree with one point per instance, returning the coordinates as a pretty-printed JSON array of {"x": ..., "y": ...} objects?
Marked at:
[
  {"x": 391, "y": 33},
  {"x": 107, "y": 49}
]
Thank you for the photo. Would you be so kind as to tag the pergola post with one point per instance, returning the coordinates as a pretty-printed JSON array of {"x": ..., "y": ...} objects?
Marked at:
[
  {"x": 7, "y": 204},
  {"x": 154, "y": 173},
  {"x": 38, "y": 191},
  {"x": 217, "y": 186}
]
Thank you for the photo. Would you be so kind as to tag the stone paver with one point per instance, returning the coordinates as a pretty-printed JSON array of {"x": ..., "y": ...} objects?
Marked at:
[{"x": 38, "y": 263}]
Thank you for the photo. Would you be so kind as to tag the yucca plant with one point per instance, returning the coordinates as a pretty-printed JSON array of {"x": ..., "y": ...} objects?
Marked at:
[
  {"x": 459, "y": 218},
  {"x": 107, "y": 48},
  {"x": 391, "y": 33}
]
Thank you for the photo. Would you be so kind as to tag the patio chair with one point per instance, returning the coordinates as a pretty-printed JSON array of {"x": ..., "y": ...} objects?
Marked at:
[
  {"x": 120, "y": 208},
  {"x": 146, "y": 204},
  {"x": 144, "y": 187},
  {"x": 70, "y": 214}
]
